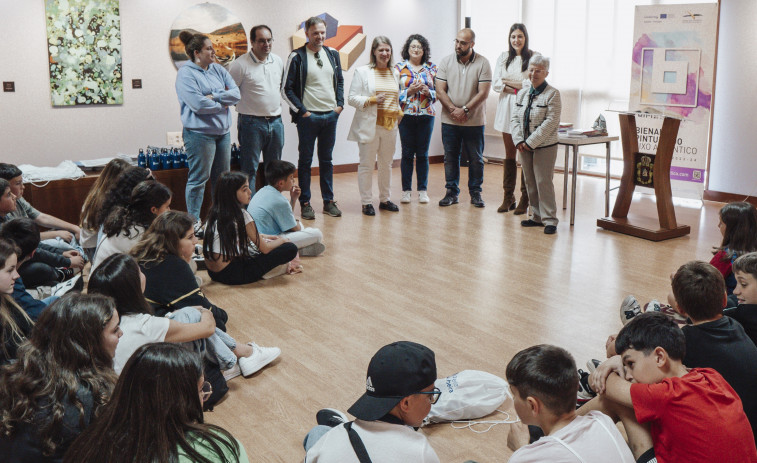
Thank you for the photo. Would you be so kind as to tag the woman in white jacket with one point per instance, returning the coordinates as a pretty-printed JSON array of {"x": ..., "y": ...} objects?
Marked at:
[{"x": 374, "y": 93}]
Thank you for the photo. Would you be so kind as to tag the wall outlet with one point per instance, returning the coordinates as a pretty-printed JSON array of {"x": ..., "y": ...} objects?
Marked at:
[{"x": 174, "y": 139}]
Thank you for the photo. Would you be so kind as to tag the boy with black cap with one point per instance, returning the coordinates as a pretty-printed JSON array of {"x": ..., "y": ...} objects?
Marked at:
[{"x": 399, "y": 391}]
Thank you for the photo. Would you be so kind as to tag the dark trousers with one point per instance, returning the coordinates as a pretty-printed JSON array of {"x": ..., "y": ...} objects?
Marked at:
[
  {"x": 323, "y": 128},
  {"x": 243, "y": 271},
  {"x": 415, "y": 137},
  {"x": 454, "y": 137}
]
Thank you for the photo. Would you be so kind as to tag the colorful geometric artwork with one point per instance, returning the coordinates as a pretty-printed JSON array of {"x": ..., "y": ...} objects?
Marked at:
[
  {"x": 348, "y": 40},
  {"x": 84, "y": 49},
  {"x": 221, "y": 26}
]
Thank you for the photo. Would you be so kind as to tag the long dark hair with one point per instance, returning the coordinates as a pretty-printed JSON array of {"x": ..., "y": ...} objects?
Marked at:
[
  {"x": 525, "y": 53},
  {"x": 227, "y": 219},
  {"x": 162, "y": 238},
  {"x": 120, "y": 193},
  {"x": 97, "y": 194},
  {"x": 64, "y": 354},
  {"x": 118, "y": 277},
  {"x": 138, "y": 212},
  {"x": 740, "y": 237},
  {"x": 155, "y": 412},
  {"x": 424, "y": 43}
]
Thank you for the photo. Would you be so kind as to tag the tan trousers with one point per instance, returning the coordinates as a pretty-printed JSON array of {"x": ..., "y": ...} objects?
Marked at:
[
  {"x": 380, "y": 151},
  {"x": 539, "y": 168}
]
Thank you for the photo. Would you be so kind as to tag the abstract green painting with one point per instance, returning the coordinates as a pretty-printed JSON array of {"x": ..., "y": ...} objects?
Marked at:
[{"x": 84, "y": 46}]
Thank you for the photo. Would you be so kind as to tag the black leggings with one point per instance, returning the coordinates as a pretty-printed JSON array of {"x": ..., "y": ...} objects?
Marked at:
[{"x": 243, "y": 271}]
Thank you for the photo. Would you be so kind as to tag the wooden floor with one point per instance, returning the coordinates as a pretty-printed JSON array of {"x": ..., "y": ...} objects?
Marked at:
[{"x": 471, "y": 284}]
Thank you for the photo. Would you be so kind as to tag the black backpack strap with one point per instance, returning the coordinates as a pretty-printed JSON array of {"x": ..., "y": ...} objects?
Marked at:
[{"x": 357, "y": 444}]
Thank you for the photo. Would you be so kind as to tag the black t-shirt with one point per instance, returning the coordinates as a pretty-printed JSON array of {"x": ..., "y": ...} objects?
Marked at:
[
  {"x": 171, "y": 279},
  {"x": 746, "y": 314},
  {"x": 724, "y": 346}
]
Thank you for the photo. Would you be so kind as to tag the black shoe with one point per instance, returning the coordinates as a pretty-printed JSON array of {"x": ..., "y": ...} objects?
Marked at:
[
  {"x": 330, "y": 417},
  {"x": 368, "y": 209},
  {"x": 475, "y": 199},
  {"x": 530, "y": 223},
  {"x": 448, "y": 200},
  {"x": 388, "y": 206},
  {"x": 550, "y": 229},
  {"x": 585, "y": 392},
  {"x": 65, "y": 273}
]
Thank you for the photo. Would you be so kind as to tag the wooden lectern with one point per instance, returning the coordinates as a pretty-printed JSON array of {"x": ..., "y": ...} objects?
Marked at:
[{"x": 637, "y": 168}]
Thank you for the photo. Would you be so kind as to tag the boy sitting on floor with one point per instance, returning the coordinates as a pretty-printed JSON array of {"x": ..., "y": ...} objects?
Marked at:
[
  {"x": 544, "y": 382},
  {"x": 399, "y": 391},
  {"x": 273, "y": 213},
  {"x": 712, "y": 339},
  {"x": 669, "y": 412},
  {"x": 67, "y": 232},
  {"x": 745, "y": 271}
]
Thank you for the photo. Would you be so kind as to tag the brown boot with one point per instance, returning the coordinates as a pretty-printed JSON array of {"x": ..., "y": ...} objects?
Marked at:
[
  {"x": 508, "y": 184},
  {"x": 523, "y": 203}
]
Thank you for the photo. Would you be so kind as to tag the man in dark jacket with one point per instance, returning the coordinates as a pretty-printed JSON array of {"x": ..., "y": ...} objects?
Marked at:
[{"x": 314, "y": 90}]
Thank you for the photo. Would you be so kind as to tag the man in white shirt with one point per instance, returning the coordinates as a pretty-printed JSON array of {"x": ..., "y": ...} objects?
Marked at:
[
  {"x": 399, "y": 391},
  {"x": 259, "y": 74}
]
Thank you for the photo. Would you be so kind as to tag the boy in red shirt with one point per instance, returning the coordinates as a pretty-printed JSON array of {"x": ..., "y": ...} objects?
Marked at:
[{"x": 670, "y": 412}]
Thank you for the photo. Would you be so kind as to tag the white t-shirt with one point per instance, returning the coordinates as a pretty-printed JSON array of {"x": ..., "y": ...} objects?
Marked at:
[
  {"x": 384, "y": 442},
  {"x": 216, "y": 246},
  {"x": 116, "y": 244},
  {"x": 139, "y": 329},
  {"x": 593, "y": 438},
  {"x": 318, "y": 94}
]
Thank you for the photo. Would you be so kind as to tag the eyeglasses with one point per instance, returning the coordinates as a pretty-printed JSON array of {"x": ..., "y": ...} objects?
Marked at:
[
  {"x": 206, "y": 391},
  {"x": 462, "y": 43},
  {"x": 415, "y": 47},
  {"x": 318, "y": 59},
  {"x": 435, "y": 394}
]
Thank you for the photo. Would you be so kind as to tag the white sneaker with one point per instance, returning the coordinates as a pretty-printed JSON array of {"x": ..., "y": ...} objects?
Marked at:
[
  {"x": 422, "y": 197},
  {"x": 232, "y": 372},
  {"x": 405, "y": 197},
  {"x": 261, "y": 356}
]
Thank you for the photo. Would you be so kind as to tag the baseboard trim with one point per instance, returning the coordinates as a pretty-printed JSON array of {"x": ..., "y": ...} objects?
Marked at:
[
  {"x": 345, "y": 168},
  {"x": 722, "y": 197}
]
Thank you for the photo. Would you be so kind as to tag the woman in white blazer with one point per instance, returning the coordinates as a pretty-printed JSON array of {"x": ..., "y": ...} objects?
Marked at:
[{"x": 374, "y": 93}]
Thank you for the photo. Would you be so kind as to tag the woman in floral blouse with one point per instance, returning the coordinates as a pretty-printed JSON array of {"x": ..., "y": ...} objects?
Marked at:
[{"x": 417, "y": 98}]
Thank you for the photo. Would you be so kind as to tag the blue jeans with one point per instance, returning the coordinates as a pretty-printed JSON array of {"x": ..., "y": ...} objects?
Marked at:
[
  {"x": 256, "y": 134},
  {"x": 221, "y": 343},
  {"x": 322, "y": 127},
  {"x": 208, "y": 156},
  {"x": 453, "y": 139},
  {"x": 415, "y": 136}
]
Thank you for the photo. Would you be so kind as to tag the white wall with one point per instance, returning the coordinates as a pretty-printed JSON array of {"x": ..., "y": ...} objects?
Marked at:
[
  {"x": 32, "y": 131},
  {"x": 733, "y": 159}
]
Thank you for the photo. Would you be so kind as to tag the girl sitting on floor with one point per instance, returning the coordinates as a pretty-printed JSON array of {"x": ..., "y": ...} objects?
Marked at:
[
  {"x": 15, "y": 324},
  {"x": 163, "y": 256},
  {"x": 159, "y": 395},
  {"x": 88, "y": 222},
  {"x": 120, "y": 278},
  {"x": 62, "y": 377},
  {"x": 235, "y": 253},
  {"x": 125, "y": 225}
]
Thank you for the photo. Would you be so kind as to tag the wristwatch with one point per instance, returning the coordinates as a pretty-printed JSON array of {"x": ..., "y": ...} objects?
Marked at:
[{"x": 465, "y": 108}]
